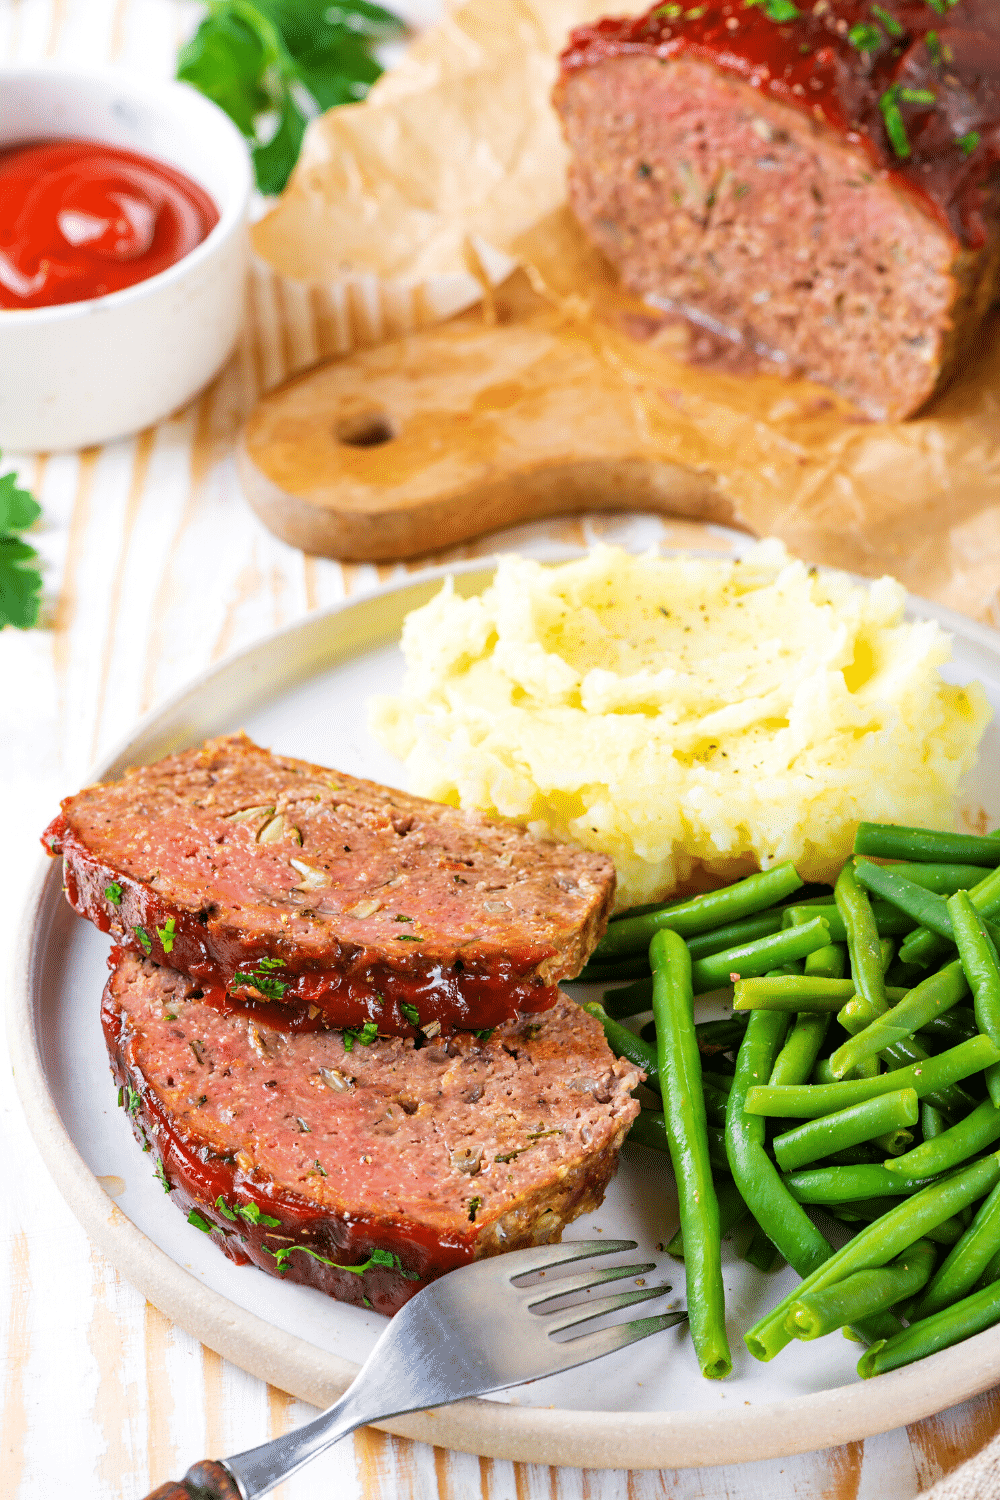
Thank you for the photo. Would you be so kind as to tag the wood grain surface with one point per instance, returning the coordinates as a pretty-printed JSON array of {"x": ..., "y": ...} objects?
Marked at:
[{"x": 156, "y": 567}]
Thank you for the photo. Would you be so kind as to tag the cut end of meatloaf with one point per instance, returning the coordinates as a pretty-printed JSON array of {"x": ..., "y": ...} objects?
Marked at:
[
  {"x": 307, "y": 1155},
  {"x": 281, "y": 882},
  {"x": 764, "y": 227}
]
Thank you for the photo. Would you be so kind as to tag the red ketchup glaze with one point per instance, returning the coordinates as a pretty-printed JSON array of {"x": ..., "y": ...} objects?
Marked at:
[
  {"x": 198, "y": 1179},
  {"x": 310, "y": 1000},
  {"x": 80, "y": 219},
  {"x": 949, "y": 149}
]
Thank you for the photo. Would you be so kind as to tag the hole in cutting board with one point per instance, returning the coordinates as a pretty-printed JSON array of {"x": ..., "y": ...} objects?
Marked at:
[{"x": 364, "y": 429}]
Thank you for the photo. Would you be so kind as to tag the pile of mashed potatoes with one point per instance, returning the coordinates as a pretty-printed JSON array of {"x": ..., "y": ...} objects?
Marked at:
[{"x": 692, "y": 718}]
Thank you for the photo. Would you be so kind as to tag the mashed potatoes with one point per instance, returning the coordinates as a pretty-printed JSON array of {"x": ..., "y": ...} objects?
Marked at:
[{"x": 693, "y": 719}]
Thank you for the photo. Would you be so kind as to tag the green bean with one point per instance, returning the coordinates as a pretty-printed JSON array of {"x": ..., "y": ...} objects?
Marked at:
[
  {"x": 719, "y": 1081},
  {"x": 808, "y": 1101},
  {"x": 636, "y": 967},
  {"x": 789, "y": 992},
  {"x": 908, "y": 1052},
  {"x": 881, "y": 1242},
  {"x": 926, "y": 845},
  {"x": 979, "y": 960},
  {"x": 895, "y": 1142},
  {"x": 992, "y": 1272},
  {"x": 972, "y": 1315},
  {"x": 815, "y": 1314},
  {"x": 954, "y": 1026},
  {"x": 944, "y": 880},
  {"x": 797, "y": 1057},
  {"x": 715, "y": 909},
  {"x": 642, "y": 911},
  {"x": 758, "y": 957},
  {"x": 974, "y": 1133},
  {"x": 703, "y": 944},
  {"x": 760, "y": 1252},
  {"x": 932, "y": 1122},
  {"x": 923, "y": 946},
  {"x": 935, "y": 994},
  {"x": 846, "y": 1184},
  {"x": 926, "y": 908},
  {"x": 967, "y": 1261},
  {"x": 889, "y": 921},
  {"x": 827, "y": 963},
  {"x": 786, "y": 1224},
  {"x": 867, "y": 969},
  {"x": 863, "y": 1210},
  {"x": 853, "y": 1156},
  {"x": 715, "y": 1105},
  {"x": 905, "y": 976},
  {"x": 722, "y": 1034},
  {"x": 887, "y": 948},
  {"x": 625, "y": 1043},
  {"x": 687, "y": 1133},
  {"x": 630, "y": 1000},
  {"x": 847, "y": 1127},
  {"x": 732, "y": 1212}
]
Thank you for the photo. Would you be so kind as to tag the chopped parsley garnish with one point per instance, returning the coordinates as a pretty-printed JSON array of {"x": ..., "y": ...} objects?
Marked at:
[
  {"x": 248, "y": 1211},
  {"x": 377, "y": 1258},
  {"x": 144, "y": 939},
  {"x": 933, "y": 46},
  {"x": 942, "y": 6},
  {"x": 400, "y": 918},
  {"x": 365, "y": 1034},
  {"x": 166, "y": 934},
  {"x": 892, "y": 115},
  {"x": 128, "y": 1097},
  {"x": 669, "y": 13},
  {"x": 317, "y": 1169},
  {"x": 475, "y": 1204},
  {"x": 968, "y": 142},
  {"x": 406, "y": 937},
  {"x": 410, "y": 1012},
  {"x": 776, "y": 10},
  {"x": 865, "y": 36},
  {"x": 485, "y": 1035},
  {"x": 890, "y": 23},
  {"x": 168, "y": 1186},
  {"x": 113, "y": 893},
  {"x": 195, "y": 1218},
  {"x": 20, "y": 585},
  {"x": 262, "y": 979}
]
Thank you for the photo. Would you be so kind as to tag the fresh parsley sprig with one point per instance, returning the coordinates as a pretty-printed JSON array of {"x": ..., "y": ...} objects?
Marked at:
[
  {"x": 284, "y": 61},
  {"x": 20, "y": 584}
]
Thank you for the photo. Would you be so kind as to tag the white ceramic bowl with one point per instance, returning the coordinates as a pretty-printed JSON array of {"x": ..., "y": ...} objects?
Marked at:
[{"x": 86, "y": 372}]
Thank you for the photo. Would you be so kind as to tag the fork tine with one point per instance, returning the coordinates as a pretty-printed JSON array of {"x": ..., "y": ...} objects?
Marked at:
[
  {"x": 582, "y": 1283},
  {"x": 588, "y": 1346},
  {"x": 586, "y": 1312},
  {"x": 570, "y": 1250}
]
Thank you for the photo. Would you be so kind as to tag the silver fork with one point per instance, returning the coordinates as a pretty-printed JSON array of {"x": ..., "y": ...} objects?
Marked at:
[{"x": 472, "y": 1332}]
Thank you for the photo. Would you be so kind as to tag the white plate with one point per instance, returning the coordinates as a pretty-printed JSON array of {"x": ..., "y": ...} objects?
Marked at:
[{"x": 303, "y": 692}]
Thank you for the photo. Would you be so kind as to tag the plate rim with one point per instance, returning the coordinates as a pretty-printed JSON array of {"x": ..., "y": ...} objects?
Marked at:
[{"x": 556, "y": 1436}]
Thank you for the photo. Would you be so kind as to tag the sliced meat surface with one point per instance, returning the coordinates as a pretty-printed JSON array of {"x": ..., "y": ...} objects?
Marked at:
[
  {"x": 332, "y": 900},
  {"x": 820, "y": 197},
  {"x": 312, "y": 1155}
]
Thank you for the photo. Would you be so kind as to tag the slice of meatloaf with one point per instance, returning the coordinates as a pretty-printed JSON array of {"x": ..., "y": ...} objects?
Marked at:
[
  {"x": 276, "y": 881},
  {"x": 820, "y": 191},
  {"x": 312, "y": 1156}
]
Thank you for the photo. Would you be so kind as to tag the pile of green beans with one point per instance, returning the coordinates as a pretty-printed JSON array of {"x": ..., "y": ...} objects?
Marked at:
[{"x": 867, "y": 1020}]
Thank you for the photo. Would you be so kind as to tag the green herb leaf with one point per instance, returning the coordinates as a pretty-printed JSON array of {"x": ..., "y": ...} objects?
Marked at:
[
  {"x": 266, "y": 984},
  {"x": 918, "y": 96},
  {"x": 168, "y": 1186},
  {"x": 166, "y": 934},
  {"x": 484, "y": 1036},
  {"x": 890, "y": 23},
  {"x": 475, "y": 1204},
  {"x": 891, "y": 114},
  {"x": 968, "y": 142},
  {"x": 284, "y": 59},
  {"x": 227, "y": 1212},
  {"x": 195, "y": 1218},
  {"x": 113, "y": 893},
  {"x": 377, "y": 1258},
  {"x": 145, "y": 941},
  {"x": 20, "y": 585},
  {"x": 365, "y": 1034},
  {"x": 410, "y": 1012},
  {"x": 933, "y": 45},
  {"x": 865, "y": 36},
  {"x": 776, "y": 10}
]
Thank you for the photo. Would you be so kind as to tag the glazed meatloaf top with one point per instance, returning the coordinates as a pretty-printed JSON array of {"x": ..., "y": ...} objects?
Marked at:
[
  {"x": 276, "y": 881},
  {"x": 435, "y": 1155},
  {"x": 915, "y": 84}
]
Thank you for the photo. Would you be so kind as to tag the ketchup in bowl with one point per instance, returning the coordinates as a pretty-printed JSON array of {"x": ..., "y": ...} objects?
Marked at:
[{"x": 79, "y": 219}]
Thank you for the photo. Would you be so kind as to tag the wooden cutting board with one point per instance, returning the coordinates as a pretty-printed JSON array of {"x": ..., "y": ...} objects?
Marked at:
[{"x": 501, "y": 416}]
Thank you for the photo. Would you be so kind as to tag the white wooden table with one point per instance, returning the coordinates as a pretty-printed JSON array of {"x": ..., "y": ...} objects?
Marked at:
[{"x": 154, "y": 568}]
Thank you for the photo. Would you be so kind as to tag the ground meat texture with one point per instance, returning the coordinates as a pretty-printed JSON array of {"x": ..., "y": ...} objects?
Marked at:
[
  {"x": 751, "y": 177},
  {"x": 304, "y": 1156},
  {"x": 323, "y": 899}
]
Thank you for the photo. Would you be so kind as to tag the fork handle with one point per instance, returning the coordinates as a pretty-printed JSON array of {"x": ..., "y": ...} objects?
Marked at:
[{"x": 203, "y": 1481}]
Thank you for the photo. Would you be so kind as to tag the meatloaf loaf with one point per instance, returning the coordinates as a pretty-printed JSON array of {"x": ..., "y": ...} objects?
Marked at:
[
  {"x": 817, "y": 185},
  {"x": 281, "y": 884},
  {"x": 365, "y": 1170}
]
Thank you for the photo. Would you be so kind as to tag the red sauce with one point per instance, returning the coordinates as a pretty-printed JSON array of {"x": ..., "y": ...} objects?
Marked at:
[
  {"x": 945, "y": 150},
  {"x": 80, "y": 219}
]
